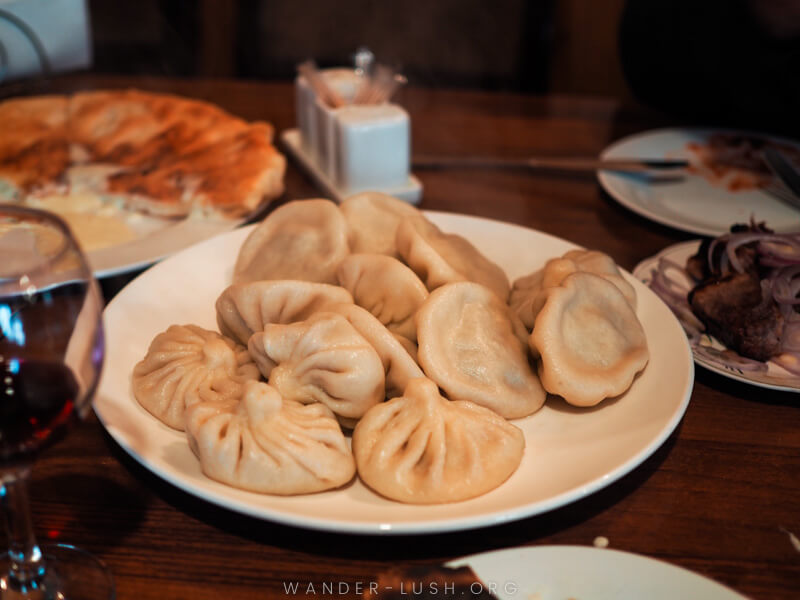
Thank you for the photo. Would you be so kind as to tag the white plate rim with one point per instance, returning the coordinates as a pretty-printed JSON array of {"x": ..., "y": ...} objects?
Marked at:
[
  {"x": 104, "y": 411},
  {"x": 642, "y": 272},
  {"x": 551, "y": 560},
  {"x": 616, "y": 186}
]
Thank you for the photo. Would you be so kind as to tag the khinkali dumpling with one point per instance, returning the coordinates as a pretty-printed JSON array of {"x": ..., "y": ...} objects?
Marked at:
[
  {"x": 591, "y": 344},
  {"x": 244, "y": 308},
  {"x": 528, "y": 293},
  {"x": 423, "y": 449},
  {"x": 469, "y": 346},
  {"x": 439, "y": 258},
  {"x": 187, "y": 364},
  {"x": 398, "y": 364},
  {"x": 599, "y": 263},
  {"x": 303, "y": 239},
  {"x": 409, "y": 345},
  {"x": 270, "y": 445},
  {"x": 372, "y": 220},
  {"x": 385, "y": 287},
  {"x": 322, "y": 359}
]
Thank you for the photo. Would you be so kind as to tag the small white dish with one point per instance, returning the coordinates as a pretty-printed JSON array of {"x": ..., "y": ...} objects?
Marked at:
[
  {"x": 561, "y": 572},
  {"x": 692, "y": 203},
  {"x": 352, "y": 148}
]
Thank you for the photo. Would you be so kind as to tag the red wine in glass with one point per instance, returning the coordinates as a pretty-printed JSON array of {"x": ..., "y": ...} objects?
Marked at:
[
  {"x": 39, "y": 393},
  {"x": 38, "y": 401},
  {"x": 51, "y": 354}
]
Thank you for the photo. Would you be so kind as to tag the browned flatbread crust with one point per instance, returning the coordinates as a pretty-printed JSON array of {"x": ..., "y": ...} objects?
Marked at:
[
  {"x": 33, "y": 144},
  {"x": 159, "y": 153}
]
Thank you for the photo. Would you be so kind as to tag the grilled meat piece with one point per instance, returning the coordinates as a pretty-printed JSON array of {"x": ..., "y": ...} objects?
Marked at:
[{"x": 736, "y": 311}]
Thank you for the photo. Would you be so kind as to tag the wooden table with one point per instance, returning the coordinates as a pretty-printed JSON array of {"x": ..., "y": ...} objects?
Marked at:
[{"x": 720, "y": 497}]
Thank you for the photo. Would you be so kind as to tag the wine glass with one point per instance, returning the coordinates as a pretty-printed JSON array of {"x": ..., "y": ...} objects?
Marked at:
[{"x": 51, "y": 353}]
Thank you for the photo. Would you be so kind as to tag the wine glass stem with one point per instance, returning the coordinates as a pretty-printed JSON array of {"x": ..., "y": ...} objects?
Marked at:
[{"x": 27, "y": 563}]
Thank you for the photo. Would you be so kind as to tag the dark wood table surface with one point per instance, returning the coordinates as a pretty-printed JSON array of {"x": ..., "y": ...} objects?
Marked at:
[{"x": 720, "y": 497}]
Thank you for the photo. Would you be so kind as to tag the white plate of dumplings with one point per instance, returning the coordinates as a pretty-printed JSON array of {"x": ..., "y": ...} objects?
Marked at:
[{"x": 570, "y": 452}]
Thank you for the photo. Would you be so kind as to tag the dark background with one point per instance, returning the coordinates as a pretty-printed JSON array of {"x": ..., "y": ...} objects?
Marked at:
[
  {"x": 715, "y": 63},
  {"x": 517, "y": 45}
]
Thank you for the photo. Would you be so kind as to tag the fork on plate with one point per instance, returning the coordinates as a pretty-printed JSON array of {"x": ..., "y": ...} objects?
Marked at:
[{"x": 786, "y": 185}]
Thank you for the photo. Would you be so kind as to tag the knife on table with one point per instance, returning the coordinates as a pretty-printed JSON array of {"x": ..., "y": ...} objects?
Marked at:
[{"x": 549, "y": 164}]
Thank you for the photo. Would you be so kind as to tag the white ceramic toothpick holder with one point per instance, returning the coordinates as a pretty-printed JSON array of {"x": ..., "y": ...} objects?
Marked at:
[{"x": 355, "y": 147}]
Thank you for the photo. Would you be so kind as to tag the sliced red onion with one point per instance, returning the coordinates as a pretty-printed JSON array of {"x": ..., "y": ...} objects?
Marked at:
[
  {"x": 774, "y": 261},
  {"x": 723, "y": 263},
  {"x": 741, "y": 239},
  {"x": 674, "y": 294},
  {"x": 777, "y": 248},
  {"x": 711, "y": 247},
  {"x": 660, "y": 281},
  {"x": 786, "y": 248},
  {"x": 784, "y": 285},
  {"x": 665, "y": 264}
]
